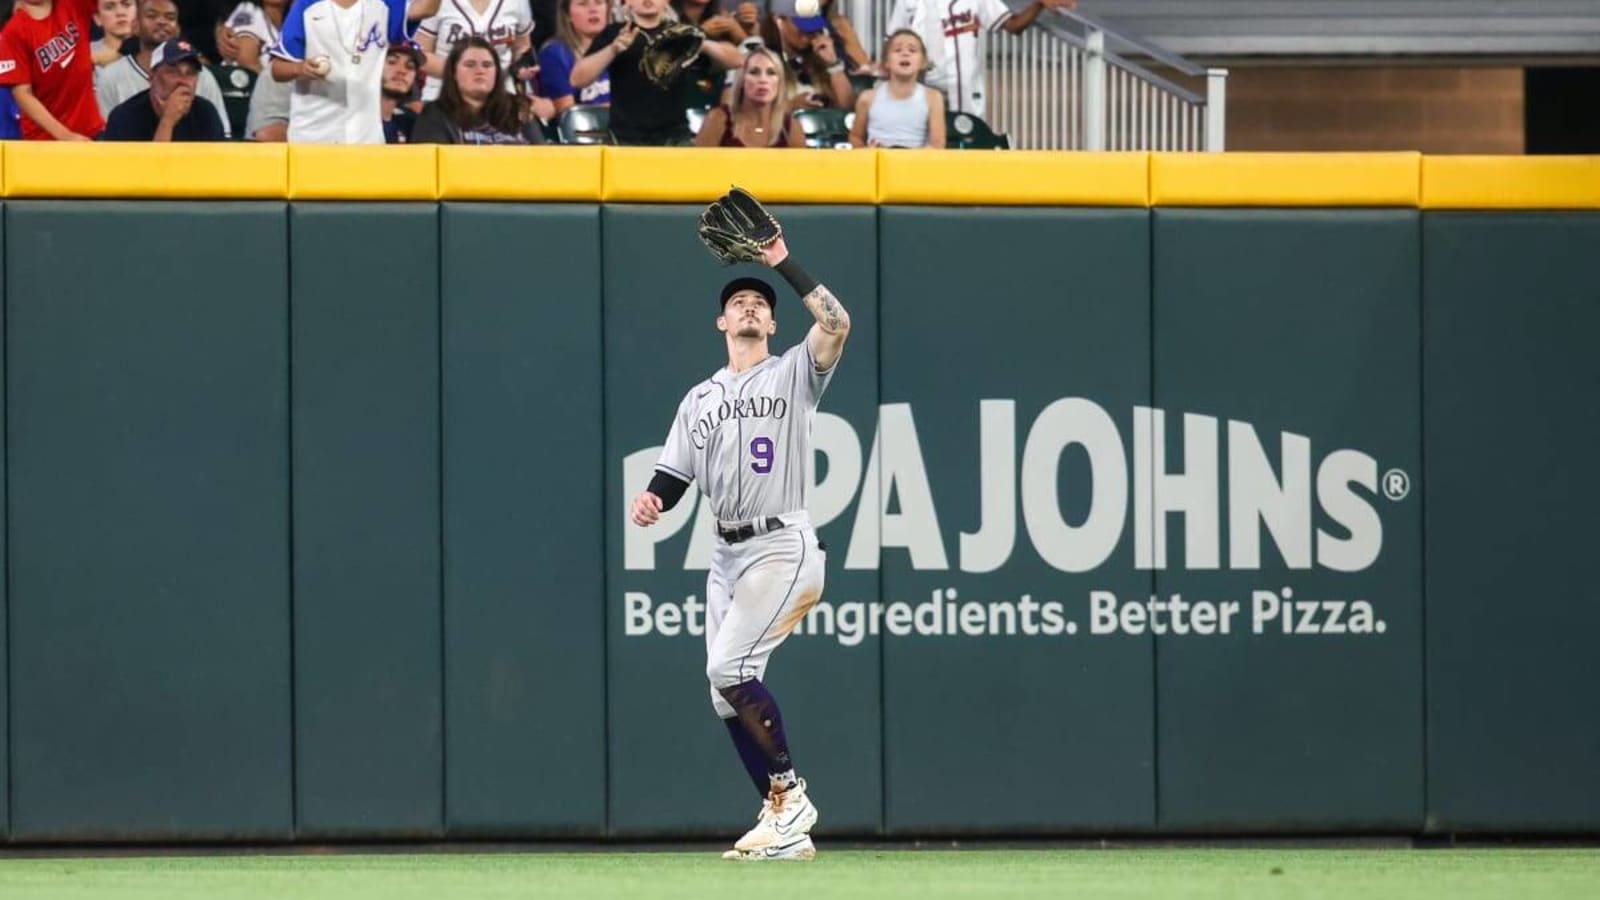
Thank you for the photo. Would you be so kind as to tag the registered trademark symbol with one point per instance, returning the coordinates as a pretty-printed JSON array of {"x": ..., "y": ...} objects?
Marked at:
[{"x": 1396, "y": 484}]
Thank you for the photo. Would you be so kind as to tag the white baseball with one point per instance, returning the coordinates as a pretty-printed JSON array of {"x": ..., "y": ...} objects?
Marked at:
[
  {"x": 319, "y": 65},
  {"x": 806, "y": 8}
]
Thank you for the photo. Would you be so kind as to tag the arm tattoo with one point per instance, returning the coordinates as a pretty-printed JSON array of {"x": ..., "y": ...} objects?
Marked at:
[{"x": 830, "y": 315}]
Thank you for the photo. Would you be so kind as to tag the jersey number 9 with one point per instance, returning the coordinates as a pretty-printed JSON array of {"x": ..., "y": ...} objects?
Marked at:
[{"x": 761, "y": 449}]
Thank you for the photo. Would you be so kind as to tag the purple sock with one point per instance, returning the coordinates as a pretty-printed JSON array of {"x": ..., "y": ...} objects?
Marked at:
[
  {"x": 755, "y": 709},
  {"x": 755, "y": 762}
]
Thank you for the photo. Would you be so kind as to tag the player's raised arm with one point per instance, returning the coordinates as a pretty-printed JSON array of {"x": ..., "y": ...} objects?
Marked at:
[{"x": 826, "y": 338}]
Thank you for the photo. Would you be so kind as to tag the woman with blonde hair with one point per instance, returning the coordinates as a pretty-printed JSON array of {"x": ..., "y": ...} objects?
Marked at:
[{"x": 757, "y": 112}]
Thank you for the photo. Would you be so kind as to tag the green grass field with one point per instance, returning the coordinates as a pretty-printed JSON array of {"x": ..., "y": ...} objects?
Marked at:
[{"x": 1158, "y": 873}]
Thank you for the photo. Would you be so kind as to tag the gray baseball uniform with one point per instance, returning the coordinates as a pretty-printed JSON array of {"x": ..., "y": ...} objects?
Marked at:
[{"x": 746, "y": 440}]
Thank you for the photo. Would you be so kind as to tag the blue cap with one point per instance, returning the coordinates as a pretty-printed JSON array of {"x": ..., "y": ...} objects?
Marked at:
[
  {"x": 173, "y": 51},
  {"x": 811, "y": 24}
]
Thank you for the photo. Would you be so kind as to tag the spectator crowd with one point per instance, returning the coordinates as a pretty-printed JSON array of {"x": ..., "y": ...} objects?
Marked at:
[{"x": 491, "y": 71}]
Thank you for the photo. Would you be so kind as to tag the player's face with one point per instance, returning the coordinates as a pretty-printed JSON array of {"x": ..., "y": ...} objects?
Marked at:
[
  {"x": 588, "y": 16},
  {"x": 905, "y": 55},
  {"x": 475, "y": 73},
  {"x": 747, "y": 315},
  {"x": 158, "y": 21},
  {"x": 760, "y": 78},
  {"x": 399, "y": 71},
  {"x": 116, "y": 17}
]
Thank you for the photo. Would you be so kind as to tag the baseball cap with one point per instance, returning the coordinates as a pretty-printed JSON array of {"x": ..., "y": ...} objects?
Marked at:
[
  {"x": 410, "y": 49},
  {"x": 174, "y": 51},
  {"x": 749, "y": 283}
]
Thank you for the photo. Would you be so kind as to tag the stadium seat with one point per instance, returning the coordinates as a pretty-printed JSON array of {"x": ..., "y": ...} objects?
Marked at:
[
  {"x": 965, "y": 131},
  {"x": 236, "y": 83},
  {"x": 825, "y": 127},
  {"x": 585, "y": 125},
  {"x": 863, "y": 83}
]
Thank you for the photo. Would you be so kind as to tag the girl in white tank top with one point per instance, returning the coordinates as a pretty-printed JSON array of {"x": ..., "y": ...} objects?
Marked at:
[{"x": 900, "y": 112}]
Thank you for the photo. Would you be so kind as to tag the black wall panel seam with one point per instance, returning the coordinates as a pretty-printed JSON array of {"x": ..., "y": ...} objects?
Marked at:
[
  {"x": 605, "y": 549},
  {"x": 288, "y": 343},
  {"x": 444, "y": 563}
]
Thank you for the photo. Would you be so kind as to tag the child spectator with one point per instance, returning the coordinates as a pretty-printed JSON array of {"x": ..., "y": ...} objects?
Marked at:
[
  {"x": 758, "y": 113},
  {"x": 115, "y": 18},
  {"x": 473, "y": 106},
  {"x": 644, "y": 112},
  {"x": 52, "y": 84},
  {"x": 156, "y": 24},
  {"x": 902, "y": 111},
  {"x": 577, "y": 24},
  {"x": 168, "y": 110},
  {"x": 953, "y": 32}
]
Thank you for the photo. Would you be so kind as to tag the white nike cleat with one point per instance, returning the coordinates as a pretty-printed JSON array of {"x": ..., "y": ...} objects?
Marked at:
[
  {"x": 793, "y": 849},
  {"x": 789, "y": 815}
]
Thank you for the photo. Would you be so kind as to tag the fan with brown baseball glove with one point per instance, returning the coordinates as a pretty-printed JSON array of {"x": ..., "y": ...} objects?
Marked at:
[{"x": 669, "y": 51}]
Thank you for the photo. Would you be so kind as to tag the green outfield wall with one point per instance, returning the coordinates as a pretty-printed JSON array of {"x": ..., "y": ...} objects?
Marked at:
[{"x": 1188, "y": 519}]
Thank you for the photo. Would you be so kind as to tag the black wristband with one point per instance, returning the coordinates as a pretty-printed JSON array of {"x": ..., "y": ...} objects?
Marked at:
[
  {"x": 669, "y": 488},
  {"x": 798, "y": 278}
]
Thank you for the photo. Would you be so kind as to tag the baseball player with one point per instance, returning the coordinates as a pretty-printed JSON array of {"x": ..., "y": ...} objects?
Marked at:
[
  {"x": 744, "y": 435},
  {"x": 952, "y": 30}
]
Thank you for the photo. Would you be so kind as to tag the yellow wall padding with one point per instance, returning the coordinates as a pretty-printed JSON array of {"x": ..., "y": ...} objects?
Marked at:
[
  {"x": 519, "y": 173},
  {"x": 1013, "y": 178},
  {"x": 1511, "y": 182},
  {"x": 379, "y": 172},
  {"x": 1285, "y": 179},
  {"x": 697, "y": 175},
  {"x": 176, "y": 171}
]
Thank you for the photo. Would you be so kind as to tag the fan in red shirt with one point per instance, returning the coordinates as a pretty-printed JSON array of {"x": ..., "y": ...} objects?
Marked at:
[{"x": 45, "y": 56}]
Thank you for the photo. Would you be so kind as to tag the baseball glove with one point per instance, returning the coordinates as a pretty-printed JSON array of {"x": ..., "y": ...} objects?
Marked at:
[
  {"x": 670, "y": 51},
  {"x": 736, "y": 227}
]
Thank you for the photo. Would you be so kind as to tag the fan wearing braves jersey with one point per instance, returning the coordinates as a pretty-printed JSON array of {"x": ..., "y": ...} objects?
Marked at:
[
  {"x": 506, "y": 24},
  {"x": 45, "y": 58},
  {"x": 953, "y": 31},
  {"x": 333, "y": 52},
  {"x": 744, "y": 435}
]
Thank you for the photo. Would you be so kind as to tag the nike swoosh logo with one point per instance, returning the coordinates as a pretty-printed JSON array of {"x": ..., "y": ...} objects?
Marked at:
[
  {"x": 779, "y": 848},
  {"x": 785, "y": 826},
  {"x": 702, "y": 394}
]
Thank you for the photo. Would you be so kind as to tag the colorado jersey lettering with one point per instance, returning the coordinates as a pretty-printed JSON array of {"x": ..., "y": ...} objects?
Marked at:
[{"x": 746, "y": 438}]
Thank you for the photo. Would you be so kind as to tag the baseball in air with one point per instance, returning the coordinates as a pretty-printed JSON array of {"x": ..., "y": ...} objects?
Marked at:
[{"x": 806, "y": 8}]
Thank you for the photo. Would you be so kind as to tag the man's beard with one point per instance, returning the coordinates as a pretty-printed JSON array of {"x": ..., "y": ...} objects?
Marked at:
[{"x": 390, "y": 93}]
